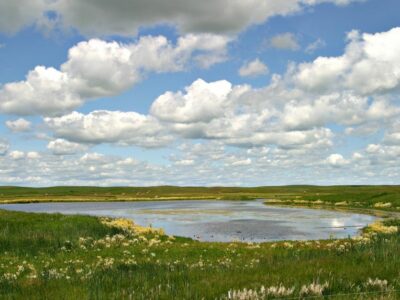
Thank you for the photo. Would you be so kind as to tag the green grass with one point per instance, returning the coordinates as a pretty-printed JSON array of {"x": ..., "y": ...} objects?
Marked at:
[
  {"x": 53, "y": 256},
  {"x": 45, "y": 233},
  {"x": 55, "y": 263}
]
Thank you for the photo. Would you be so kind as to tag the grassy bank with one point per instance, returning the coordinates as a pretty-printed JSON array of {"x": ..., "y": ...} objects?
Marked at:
[
  {"x": 77, "y": 257},
  {"x": 386, "y": 198}
]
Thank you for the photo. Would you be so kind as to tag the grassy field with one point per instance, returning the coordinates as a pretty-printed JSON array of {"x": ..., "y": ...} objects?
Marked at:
[
  {"x": 79, "y": 257},
  {"x": 371, "y": 197},
  {"x": 52, "y": 256}
]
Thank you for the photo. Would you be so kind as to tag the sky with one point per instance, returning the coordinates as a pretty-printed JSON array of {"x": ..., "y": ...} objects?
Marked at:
[{"x": 199, "y": 93}]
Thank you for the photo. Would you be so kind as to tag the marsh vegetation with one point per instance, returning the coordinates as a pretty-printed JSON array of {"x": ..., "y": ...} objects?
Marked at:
[
  {"x": 69, "y": 257},
  {"x": 54, "y": 256}
]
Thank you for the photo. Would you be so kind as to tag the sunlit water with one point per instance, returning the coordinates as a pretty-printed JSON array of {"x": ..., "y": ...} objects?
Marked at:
[{"x": 223, "y": 221}]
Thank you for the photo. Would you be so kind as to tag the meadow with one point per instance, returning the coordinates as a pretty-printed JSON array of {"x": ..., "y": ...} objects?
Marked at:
[{"x": 53, "y": 256}]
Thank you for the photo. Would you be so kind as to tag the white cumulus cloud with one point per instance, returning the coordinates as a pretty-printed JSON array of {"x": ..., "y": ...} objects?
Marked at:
[
  {"x": 126, "y": 128},
  {"x": 370, "y": 64},
  {"x": 253, "y": 68},
  {"x": 336, "y": 160},
  {"x": 202, "y": 102},
  {"x": 14, "y": 15},
  {"x": 285, "y": 41},
  {"x": 125, "y": 17},
  {"x": 97, "y": 68},
  {"x": 16, "y": 155},
  {"x": 19, "y": 125},
  {"x": 64, "y": 147}
]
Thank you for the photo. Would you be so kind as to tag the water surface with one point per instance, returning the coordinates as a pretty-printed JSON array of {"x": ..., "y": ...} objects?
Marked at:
[{"x": 223, "y": 221}]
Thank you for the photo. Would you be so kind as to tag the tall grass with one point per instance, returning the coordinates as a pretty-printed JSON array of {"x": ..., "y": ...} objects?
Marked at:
[{"x": 78, "y": 257}]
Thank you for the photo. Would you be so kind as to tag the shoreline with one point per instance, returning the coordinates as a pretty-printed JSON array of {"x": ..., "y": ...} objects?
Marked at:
[
  {"x": 142, "y": 199},
  {"x": 273, "y": 202},
  {"x": 362, "y": 210},
  {"x": 380, "y": 215}
]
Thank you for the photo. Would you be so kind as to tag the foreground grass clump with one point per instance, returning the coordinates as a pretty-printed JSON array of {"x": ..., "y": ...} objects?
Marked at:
[{"x": 77, "y": 257}]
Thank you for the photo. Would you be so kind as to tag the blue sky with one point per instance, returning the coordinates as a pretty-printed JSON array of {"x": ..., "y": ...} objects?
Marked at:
[{"x": 202, "y": 93}]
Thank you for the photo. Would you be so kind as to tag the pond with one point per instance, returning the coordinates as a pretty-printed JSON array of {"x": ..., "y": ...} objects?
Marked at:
[{"x": 223, "y": 221}]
